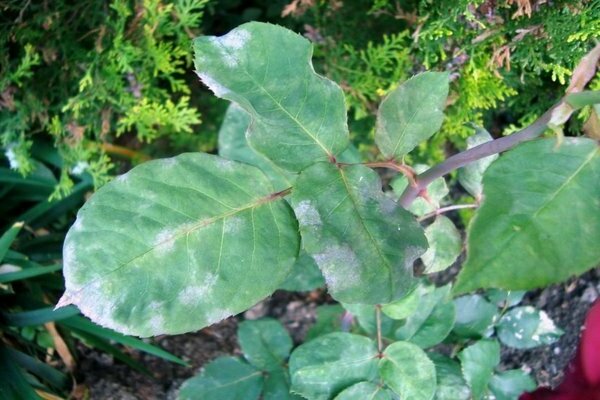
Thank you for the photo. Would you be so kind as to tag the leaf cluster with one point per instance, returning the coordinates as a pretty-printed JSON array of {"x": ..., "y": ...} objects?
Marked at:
[
  {"x": 500, "y": 54},
  {"x": 90, "y": 72}
]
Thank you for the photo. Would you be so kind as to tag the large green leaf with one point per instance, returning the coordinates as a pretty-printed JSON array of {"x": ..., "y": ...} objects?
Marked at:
[
  {"x": 411, "y": 113},
  {"x": 535, "y": 196},
  {"x": 325, "y": 366},
  {"x": 234, "y": 146},
  {"x": 298, "y": 117},
  {"x": 224, "y": 378},
  {"x": 190, "y": 235},
  {"x": 265, "y": 343},
  {"x": 407, "y": 370},
  {"x": 364, "y": 243}
]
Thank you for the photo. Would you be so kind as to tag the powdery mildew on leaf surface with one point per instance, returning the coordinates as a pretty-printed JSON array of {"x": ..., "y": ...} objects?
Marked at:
[
  {"x": 298, "y": 117},
  {"x": 211, "y": 243},
  {"x": 363, "y": 243}
]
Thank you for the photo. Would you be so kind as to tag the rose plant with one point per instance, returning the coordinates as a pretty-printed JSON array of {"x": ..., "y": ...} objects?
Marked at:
[{"x": 177, "y": 244}]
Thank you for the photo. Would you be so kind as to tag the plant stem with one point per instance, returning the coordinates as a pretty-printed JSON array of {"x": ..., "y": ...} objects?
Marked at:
[
  {"x": 124, "y": 152},
  {"x": 405, "y": 170},
  {"x": 446, "y": 209},
  {"x": 378, "y": 317},
  {"x": 476, "y": 153}
]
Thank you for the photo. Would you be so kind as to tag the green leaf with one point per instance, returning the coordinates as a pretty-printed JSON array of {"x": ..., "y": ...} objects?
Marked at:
[
  {"x": 191, "y": 235},
  {"x": 364, "y": 390},
  {"x": 437, "y": 326},
  {"x": 325, "y": 366},
  {"x": 450, "y": 382},
  {"x": 265, "y": 343},
  {"x": 39, "y": 316},
  {"x": 305, "y": 275},
  {"x": 511, "y": 384},
  {"x": 298, "y": 117},
  {"x": 436, "y": 191},
  {"x": 407, "y": 305},
  {"x": 471, "y": 175},
  {"x": 505, "y": 298},
  {"x": 224, "y": 378},
  {"x": 329, "y": 319},
  {"x": 363, "y": 242},
  {"x": 432, "y": 321},
  {"x": 13, "y": 384},
  {"x": 7, "y": 277},
  {"x": 478, "y": 363},
  {"x": 84, "y": 325},
  {"x": 475, "y": 316},
  {"x": 234, "y": 146},
  {"x": 407, "y": 370},
  {"x": 411, "y": 113},
  {"x": 8, "y": 238},
  {"x": 445, "y": 245},
  {"x": 366, "y": 315},
  {"x": 277, "y": 386},
  {"x": 525, "y": 328},
  {"x": 535, "y": 196}
]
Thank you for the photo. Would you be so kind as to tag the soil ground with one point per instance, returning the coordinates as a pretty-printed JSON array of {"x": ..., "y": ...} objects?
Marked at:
[{"x": 103, "y": 378}]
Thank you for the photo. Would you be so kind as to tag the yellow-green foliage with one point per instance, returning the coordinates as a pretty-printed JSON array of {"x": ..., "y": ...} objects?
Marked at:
[
  {"x": 87, "y": 72},
  {"x": 503, "y": 54}
]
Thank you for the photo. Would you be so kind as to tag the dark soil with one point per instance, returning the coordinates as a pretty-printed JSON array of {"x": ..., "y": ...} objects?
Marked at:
[{"x": 103, "y": 378}]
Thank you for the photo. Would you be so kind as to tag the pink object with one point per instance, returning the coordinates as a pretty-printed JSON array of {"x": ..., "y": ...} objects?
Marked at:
[{"x": 582, "y": 378}]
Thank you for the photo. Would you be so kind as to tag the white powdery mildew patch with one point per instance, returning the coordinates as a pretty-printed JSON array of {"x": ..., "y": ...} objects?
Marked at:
[
  {"x": 225, "y": 164},
  {"x": 235, "y": 40},
  {"x": 387, "y": 205},
  {"x": 122, "y": 178},
  {"x": 157, "y": 324},
  {"x": 218, "y": 89},
  {"x": 340, "y": 267},
  {"x": 164, "y": 241},
  {"x": 229, "y": 44},
  {"x": 97, "y": 305},
  {"x": 78, "y": 224},
  {"x": 546, "y": 326},
  {"x": 217, "y": 314},
  {"x": 307, "y": 214},
  {"x": 195, "y": 293},
  {"x": 71, "y": 266},
  {"x": 233, "y": 225}
]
